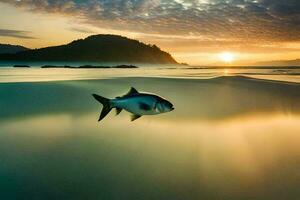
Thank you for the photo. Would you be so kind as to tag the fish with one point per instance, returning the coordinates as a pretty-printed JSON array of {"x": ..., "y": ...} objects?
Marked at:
[{"x": 135, "y": 102}]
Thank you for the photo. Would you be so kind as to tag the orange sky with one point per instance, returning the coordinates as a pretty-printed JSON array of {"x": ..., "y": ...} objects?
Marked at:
[{"x": 196, "y": 36}]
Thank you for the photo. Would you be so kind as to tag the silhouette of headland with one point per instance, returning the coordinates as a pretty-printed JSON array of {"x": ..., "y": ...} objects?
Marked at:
[
  {"x": 11, "y": 49},
  {"x": 97, "y": 48}
]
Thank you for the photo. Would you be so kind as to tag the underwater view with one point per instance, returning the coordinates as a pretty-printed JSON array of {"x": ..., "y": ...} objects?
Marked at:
[{"x": 232, "y": 135}]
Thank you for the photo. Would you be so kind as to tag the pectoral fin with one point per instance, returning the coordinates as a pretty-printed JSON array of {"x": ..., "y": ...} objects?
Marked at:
[
  {"x": 135, "y": 117},
  {"x": 118, "y": 110}
]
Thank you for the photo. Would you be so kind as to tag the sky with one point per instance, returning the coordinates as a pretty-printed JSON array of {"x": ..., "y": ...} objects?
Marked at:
[{"x": 198, "y": 32}]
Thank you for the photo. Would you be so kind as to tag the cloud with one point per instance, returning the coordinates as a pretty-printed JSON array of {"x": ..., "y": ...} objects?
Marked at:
[
  {"x": 82, "y": 29},
  {"x": 194, "y": 44},
  {"x": 15, "y": 34},
  {"x": 243, "y": 20}
]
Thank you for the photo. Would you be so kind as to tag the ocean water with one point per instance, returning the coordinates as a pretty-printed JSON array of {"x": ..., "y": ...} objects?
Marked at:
[
  {"x": 36, "y": 74},
  {"x": 234, "y": 134}
]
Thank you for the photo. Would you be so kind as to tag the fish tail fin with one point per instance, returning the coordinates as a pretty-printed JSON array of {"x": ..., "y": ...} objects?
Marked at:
[{"x": 106, "y": 105}]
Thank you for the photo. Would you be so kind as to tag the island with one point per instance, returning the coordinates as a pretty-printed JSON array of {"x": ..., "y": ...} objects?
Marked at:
[
  {"x": 90, "y": 66},
  {"x": 21, "y": 66},
  {"x": 96, "y": 48}
]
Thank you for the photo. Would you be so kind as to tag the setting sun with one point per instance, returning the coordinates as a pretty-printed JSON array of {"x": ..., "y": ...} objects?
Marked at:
[{"x": 226, "y": 57}]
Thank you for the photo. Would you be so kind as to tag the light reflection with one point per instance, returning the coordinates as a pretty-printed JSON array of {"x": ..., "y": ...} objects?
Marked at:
[
  {"x": 226, "y": 72},
  {"x": 11, "y": 75},
  {"x": 246, "y": 148}
]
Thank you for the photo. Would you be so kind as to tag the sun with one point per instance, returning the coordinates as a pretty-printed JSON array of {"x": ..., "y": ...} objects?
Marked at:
[{"x": 227, "y": 57}]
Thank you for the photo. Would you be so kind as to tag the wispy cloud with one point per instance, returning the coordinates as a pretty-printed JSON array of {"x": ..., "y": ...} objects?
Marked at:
[
  {"x": 81, "y": 29},
  {"x": 15, "y": 34},
  {"x": 249, "y": 20}
]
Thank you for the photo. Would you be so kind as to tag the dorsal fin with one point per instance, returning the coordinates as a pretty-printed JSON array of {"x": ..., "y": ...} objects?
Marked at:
[{"x": 131, "y": 92}]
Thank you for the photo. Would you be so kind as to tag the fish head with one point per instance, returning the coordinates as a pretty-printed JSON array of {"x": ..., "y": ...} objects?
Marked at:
[{"x": 164, "y": 105}]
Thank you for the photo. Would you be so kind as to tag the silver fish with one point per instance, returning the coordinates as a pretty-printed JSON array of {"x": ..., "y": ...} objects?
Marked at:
[{"x": 135, "y": 102}]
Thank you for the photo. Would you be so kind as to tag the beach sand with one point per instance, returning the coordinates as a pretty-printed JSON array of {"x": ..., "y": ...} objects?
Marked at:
[{"x": 229, "y": 138}]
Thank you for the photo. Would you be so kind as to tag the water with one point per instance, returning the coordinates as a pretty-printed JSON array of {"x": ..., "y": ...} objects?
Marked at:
[
  {"x": 36, "y": 74},
  {"x": 229, "y": 137}
]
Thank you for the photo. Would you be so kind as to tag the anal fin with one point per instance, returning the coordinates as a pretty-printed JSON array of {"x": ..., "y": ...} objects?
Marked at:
[
  {"x": 118, "y": 110},
  {"x": 135, "y": 117}
]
